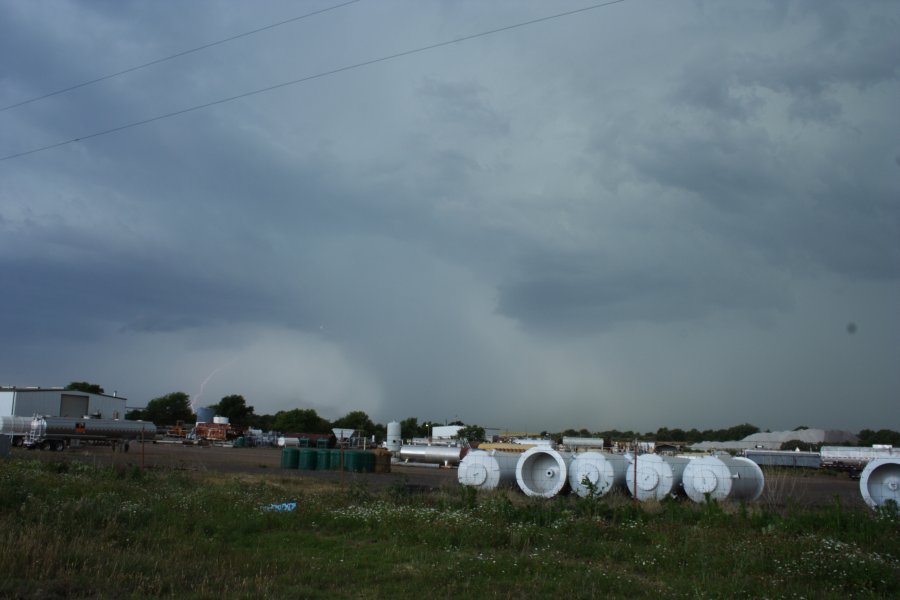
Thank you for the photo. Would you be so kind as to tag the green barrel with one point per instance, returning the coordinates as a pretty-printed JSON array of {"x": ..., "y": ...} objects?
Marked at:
[
  {"x": 349, "y": 459},
  {"x": 303, "y": 442},
  {"x": 308, "y": 459},
  {"x": 335, "y": 462},
  {"x": 368, "y": 461},
  {"x": 322, "y": 443},
  {"x": 290, "y": 458},
  {"x": 323, "y": 459}
]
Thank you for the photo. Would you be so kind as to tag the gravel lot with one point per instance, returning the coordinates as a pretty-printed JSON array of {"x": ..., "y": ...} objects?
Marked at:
[{"x": 780, "y": 486}]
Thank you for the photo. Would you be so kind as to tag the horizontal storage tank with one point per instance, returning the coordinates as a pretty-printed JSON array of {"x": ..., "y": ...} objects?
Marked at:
[
  {"x": 488, "y": 470},
  {"x": 441, "y": 455},
  {"x": 543, "y": 472},
  {"x": 582, "y": 442},
  {"x": 723, "y": 478},
  {"x": 92, "y": 429},
  {"x": 284, "y": 442},
  {"x": 657, "y": 476},
  {"x": 603, "y": 471},
  {"x": 15, "y": 425},
  {"x": 880, "y": 481},
  {"x": 784, "y": 458}
]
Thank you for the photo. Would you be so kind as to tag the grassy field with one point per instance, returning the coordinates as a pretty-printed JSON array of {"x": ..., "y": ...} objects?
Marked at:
[{"x": 71, "y": 530}]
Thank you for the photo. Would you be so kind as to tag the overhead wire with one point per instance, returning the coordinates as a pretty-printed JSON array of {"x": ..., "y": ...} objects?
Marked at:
[
  {"x": 177, "y": 55},
  {"x": 310, "y": 78}
]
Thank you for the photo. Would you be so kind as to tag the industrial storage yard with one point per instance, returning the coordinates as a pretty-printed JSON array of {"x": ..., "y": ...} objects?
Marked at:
[{"x": 806, "y": 488}]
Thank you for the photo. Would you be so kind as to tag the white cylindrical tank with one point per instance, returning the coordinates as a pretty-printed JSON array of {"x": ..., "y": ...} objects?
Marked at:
[
  {"x": 394, "y": 439},
  {"x": 287, "y": 442},
  {"x": 582, "y": 442},
  {"x": 542, "y": 471},
  {"x": 488, "y": 470},
  {"x": 723, "y": 477},
  {"x": 657, "y": 476},
  {"x": 603, "y": 471},
  {"x": 880, "y": 481},
  {"x": 218, "y": 420}
]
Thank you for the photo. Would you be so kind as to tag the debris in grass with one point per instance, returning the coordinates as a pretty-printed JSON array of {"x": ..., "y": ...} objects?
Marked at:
[{"x": 284, "y": 507}]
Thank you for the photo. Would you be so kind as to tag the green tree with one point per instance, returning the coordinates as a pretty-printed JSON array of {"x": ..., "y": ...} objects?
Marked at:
[
  {"x": 471, "y": 433},
  {"x": 168, "y": 409},
  {"x": 867, "y": 437},
  {"x": 357, "y": 420},
  {"x": 410, "y": 428},
  {"x": 300, "y": 420},
  {"x": 135, "y": 414},
  {"x": 235, "y": 408},
  {"x": 86, "y": 387}
]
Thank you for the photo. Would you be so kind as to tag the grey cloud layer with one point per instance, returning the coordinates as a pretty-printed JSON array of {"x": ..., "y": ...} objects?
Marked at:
[{"x": 603, "y": 221}]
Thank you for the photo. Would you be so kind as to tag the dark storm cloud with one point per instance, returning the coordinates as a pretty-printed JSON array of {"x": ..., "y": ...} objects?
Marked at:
[{"x": 635, "y": 218}]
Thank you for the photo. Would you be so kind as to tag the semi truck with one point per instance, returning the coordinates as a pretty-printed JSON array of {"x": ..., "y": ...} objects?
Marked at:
[{"x": 55, "y": 433}]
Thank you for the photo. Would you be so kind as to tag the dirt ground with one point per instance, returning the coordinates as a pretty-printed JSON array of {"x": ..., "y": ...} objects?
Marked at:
[{"x": 781, "y": 487}]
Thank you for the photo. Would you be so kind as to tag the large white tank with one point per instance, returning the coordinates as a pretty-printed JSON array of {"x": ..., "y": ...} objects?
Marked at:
[
  {"x": 657, "y": 476},
  {"x": 394, "y": 439},
  {"x": 723, "y": 477},
  {"x": 219, "y": 420},
  {"x": 880, "y": 481},
  {"x": 603, "y": 471},
  {"x": 542, "y": 471},
  {"x": 488, "y": 470}
]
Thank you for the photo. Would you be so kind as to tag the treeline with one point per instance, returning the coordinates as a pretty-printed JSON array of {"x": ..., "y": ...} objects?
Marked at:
[
  {"x": 169, "y": 409},
  {"x": 664, "y": 434}
]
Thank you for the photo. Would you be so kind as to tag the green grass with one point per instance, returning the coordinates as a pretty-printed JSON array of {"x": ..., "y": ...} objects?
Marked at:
[{"x": 69, "y": 530}]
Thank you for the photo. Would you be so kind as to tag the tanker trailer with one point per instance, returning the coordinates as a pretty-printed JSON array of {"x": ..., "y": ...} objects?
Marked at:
[{"x": 55, "y": 433}]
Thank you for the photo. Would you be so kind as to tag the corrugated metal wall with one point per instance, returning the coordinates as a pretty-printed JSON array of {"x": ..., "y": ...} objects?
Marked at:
[{"x": 56, "y": 403}]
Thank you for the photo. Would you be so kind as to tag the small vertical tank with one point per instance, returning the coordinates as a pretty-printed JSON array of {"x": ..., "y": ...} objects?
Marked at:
[
  {"x": 394, "y": 439},
  {"x": 205, "y": 415}
]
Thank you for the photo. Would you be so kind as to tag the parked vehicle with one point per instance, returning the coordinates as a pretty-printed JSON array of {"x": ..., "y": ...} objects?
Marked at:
[{"x": 55, "y": 433}]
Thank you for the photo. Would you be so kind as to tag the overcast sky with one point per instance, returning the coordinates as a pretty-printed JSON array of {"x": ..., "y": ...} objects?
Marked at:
[{"x": 653, "y": 213}]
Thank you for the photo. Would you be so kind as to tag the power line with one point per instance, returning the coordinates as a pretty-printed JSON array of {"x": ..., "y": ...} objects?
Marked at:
[
  {"x": 309, "y": 78},
  {"x": 178, "y": 55}
]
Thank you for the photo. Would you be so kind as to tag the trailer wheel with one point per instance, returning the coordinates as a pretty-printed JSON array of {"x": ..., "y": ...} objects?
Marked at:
[
  {"x": 45, "y": 445},
  {"x": 57, "y": 445}
]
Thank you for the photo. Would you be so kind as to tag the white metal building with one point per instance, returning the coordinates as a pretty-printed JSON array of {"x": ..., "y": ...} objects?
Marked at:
[{"x": 57, "y": 402}]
